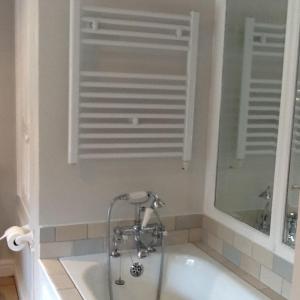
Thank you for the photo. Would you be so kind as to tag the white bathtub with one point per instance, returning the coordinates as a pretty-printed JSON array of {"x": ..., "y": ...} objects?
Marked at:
[{"x": 189, "y": 274}]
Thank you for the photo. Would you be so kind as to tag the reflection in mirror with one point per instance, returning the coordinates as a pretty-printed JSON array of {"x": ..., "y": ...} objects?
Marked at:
[
  {"x": 251, "y": 90},
  {"x": 293, "y": 186}
]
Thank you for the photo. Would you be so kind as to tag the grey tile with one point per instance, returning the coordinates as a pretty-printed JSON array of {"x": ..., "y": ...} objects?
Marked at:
[
  {"x": 188, "y": 222},
  {"x": 47, "y": 234},
  {"x": 91, "y": 246},
  {"x": 231, "y": 254},
  {"x": 282, "y": 268}
]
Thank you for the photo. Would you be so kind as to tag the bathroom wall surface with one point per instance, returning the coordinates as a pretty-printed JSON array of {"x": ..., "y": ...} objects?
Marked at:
[
  {"x": 81, "y": 193},
  {"x": 7, "y": 121}
]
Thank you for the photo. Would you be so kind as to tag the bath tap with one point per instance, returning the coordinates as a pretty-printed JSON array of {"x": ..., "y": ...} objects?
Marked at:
[
  {"x": 263, "y": 220},
  {"x": 291, "y": 229},
  {"x": 140, "y": 229}
]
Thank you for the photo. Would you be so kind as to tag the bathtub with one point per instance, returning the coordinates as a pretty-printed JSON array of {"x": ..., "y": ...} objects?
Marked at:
[{"x": 189, "y": 274}]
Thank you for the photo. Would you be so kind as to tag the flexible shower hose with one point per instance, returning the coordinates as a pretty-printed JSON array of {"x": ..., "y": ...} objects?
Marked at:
[{"x": 161, "y": 268}]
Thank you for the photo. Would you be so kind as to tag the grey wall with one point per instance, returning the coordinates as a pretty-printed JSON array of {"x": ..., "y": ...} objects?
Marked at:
[
  {"x": 81, "y": 193},
  {"x": 7, "y": 120}
]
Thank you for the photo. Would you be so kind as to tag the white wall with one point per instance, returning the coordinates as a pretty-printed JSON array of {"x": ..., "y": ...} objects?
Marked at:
[
  {"x": 81, "y": 193},
  {"x": 7, "y": 120}
]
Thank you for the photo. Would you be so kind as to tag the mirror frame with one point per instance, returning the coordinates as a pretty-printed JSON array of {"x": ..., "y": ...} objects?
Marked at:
[{"x": 273, "y": 242}]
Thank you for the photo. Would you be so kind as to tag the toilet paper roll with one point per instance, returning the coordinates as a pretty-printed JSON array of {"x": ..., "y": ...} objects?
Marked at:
[{"x": 12, "y": 234}]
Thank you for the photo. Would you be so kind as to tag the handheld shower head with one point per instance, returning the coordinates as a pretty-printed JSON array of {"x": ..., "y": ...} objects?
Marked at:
[
  {"x": 134, "y": 198},
  {"x": 138, "y": 198},
  {"x": 155, "y": 204}
]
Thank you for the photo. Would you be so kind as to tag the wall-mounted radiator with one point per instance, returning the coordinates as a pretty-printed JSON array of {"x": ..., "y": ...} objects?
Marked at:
[
  {"x": 131, "y": 115},
  {"x": 260, "y": 89}
]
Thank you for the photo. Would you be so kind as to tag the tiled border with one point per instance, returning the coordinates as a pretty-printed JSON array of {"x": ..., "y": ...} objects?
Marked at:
[
  {"x": 271, "y": 270},
  {"x": 68, "y": 291},
  {"x": 81, "y": 239},
  {"x": 61, "y": 280},
  {"x": 257, "y": 262},
  {"x": 251, "y": 280}
]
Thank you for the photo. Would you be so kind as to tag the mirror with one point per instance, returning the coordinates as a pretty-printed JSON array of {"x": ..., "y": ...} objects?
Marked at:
[
  {"x": 250, "y": 104},
  {"x": 293, "y": 186}
]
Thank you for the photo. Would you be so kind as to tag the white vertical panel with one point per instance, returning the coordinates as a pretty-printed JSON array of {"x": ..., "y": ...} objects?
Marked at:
[
  {"x": 74, "y": 79},
  {"x": 191, "y": 88},
  {"x": 260, "y": 97},
  {"x": 245, "y": 89}
]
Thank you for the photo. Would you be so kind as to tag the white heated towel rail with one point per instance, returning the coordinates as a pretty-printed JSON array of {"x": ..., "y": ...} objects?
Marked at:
[
  {"x": 260, "y": 95},
  {"x": 131, "y": 115}
]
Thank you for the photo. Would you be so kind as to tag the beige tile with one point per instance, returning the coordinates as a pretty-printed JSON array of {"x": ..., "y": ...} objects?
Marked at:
[
  {"x": 210, "y": 225},
  {"x": 254, "y": 282},
  {"x": 233, "y": 267},
  {"x": 8, "y": 292},
  {"x": 211, "y": 252},
  {"x": 177, "y": 237},
  {"x": 62, "y": 281},
  {"x": 286, "y": 289},
  {"x": 57, "y": 249},
  {"x": 250, "y": 265},
  {"x": 71, "y": 232},
  {"x": 271, "y": 279},
  {"x": 271, "y": 294},
  {"x": 203, "y": 246},
  {"x": 225, "y": 234},
  {"x": 122, "y": 223},
  {"x": 53, "y": 266},
  {"x": 195, "y": 235},
  {"x": 242, "y": 244},
  {"x": 262, "y": 255},
  {"x": 4, "y": 281},
  {"x": 215, "y": 243},
  {"x": 188, "y": 221},
  {"x": 169, "y": 223},
  {"x": 97, "y": 230},
  {"x": 70, "y": 294}
]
